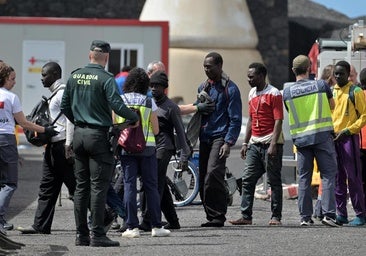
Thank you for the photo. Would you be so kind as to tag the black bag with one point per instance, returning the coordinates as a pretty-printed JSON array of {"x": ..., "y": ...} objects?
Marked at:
[
  {"x": 40, "y": 115},
  {"x": 114, "y": 132}
]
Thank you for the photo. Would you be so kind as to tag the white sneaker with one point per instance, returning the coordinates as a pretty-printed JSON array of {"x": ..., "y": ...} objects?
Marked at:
[
  {"x": 330, "y": 222},
  {"x": 2, "y": 230},
  {"x": 306, "y": 223},
  {"x": 155, "y": 232},
  {"x": 131, "y": 233}
]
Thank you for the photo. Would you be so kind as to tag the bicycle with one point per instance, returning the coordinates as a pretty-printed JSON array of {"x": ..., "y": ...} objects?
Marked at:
[{"x": 184, "y": 184}]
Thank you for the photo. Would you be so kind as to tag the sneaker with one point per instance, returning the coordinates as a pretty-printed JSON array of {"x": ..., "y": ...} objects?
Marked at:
[
  {"x": 115, "y": 225},
  {"x": 2, "y": 230},
  {"x": 173, "y": 225},
  {"x": 318, "y": 218},
  {"x": 358, "y": 221},
  {"x": 131, "y": 233},
  {"x": 123, "y": 227},
  {"x": 28, "y": 230},
  {"x": 159, "y": 232},
  {"x": 145, "y": 226},
  {"x": 5, "y": 224},
  {"x": 306, "y": 223},
  {"x": 330, "y": 222},
  {"x": 8, "y": 226},
  {"x": 341, "y": 220}
]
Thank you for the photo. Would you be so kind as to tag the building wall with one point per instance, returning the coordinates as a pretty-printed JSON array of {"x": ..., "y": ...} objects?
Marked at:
[
  {"x": 124, "y": 9},
  {"x": 270, "y": 18},
  {"x": 32, "y": 42}
]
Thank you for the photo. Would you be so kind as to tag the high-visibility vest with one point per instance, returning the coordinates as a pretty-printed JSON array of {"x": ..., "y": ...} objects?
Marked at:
[
  {"x": 363, "y": 133},
  {"x": 309, "y": 114},
  {"x": 145, "y": 121}
]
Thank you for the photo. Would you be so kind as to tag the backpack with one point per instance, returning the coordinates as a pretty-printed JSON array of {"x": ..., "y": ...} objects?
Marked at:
[
  {"x": 351, "y": 96},
  {"x": 133, "y": 140},
  {"x": 40, "y": 115},
  {"x": 351, "y": 93}
]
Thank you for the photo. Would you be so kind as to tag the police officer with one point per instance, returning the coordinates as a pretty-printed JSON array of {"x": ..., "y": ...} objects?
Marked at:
[
  {"x": 89, "y": 98},
  {"x": 309, "y": 105}
]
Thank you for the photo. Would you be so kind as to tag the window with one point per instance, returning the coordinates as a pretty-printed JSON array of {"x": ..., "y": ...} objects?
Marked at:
[{"x": 125, "y": 55}]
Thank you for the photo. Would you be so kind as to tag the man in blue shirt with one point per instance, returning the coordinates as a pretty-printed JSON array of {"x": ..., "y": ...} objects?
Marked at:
[{"x": 219, "y": 131}]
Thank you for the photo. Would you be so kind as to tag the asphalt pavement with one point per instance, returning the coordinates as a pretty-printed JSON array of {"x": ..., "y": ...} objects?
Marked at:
[{"x": 191, "y": 239}]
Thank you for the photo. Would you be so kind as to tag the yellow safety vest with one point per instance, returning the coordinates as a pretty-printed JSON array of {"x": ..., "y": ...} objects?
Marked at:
[
  {"x": 145, "y": 121},
  {"x": 309, "y": 115}
]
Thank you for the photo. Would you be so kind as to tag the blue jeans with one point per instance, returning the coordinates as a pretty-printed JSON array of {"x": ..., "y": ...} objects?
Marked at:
[
  {"x": 115, "y": 202},
  {"x": 8, "y": 171},
  {"x": 257, "y": 163},
  {"x": 147, "y": 167}
]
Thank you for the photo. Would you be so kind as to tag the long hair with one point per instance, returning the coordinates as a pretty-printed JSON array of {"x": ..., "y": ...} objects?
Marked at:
[
  {"x": 137, "y": 81},
  {"x": 327, "y": 74}
]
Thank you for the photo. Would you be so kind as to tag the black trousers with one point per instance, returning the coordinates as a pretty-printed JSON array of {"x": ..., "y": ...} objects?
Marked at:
[
  {"x": 166, "y": 200},
  {"x": 363, "y": 165},
  {"x": 213, "y": 191},
  {"x": 55, "y": 171},
  {"x": 94, "y": 164}
]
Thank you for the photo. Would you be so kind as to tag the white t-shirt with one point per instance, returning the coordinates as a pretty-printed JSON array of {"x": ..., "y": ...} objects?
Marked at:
[
  {"x": 63, "y": 125},
  {"x": 9, "y": 105}
]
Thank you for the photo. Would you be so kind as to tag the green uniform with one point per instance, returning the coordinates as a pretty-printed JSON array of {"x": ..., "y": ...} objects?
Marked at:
[
  {"x": 89, "y": 98},
  {"x": 90, "y": 95}
]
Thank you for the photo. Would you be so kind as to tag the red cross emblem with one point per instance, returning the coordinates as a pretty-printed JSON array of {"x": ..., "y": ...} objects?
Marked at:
[{"x": 32, "y": 60}]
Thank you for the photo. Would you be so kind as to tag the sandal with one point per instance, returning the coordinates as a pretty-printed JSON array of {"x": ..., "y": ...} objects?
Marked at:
[{"x": 275, "y": 222}]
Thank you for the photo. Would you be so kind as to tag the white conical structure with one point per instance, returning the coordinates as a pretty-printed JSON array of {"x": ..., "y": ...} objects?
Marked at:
[{"x": 198, "y": 27}]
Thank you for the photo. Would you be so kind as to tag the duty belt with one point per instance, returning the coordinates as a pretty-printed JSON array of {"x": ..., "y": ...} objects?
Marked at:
[{"x": 92, "y": 126}]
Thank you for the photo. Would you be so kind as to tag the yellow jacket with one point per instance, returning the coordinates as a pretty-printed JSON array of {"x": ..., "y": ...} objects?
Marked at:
[{"x": 347, "y": 115}]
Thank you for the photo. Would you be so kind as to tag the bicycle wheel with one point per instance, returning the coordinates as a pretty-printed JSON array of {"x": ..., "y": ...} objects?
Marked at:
[{"x": 182, "y": 184}]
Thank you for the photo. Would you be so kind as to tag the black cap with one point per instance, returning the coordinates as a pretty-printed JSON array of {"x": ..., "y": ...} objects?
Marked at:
[
  {"x": 100, "y": 46},
  {"x": 159, "y": 77}
]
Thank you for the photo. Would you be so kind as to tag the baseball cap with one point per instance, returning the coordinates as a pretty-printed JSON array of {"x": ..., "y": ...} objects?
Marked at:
[
  {"x": 301, "y": 61},
  {"x": 101, "y": 46}
]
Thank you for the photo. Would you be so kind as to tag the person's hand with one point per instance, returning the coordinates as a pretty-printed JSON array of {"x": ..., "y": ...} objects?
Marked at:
[
  {"x": 342, "y": 134},
  {"x": 272, "y": 150},
  {"x": 50, "y": 131},
  {"x": 243, "y": 151},
  {"x": 69, "y": 154},
  {"x": 68, "y": 151},
  {"x": 206, "y": 108},
  {"x": 224, "y": 150},
  {"x": 184, "y": 165}
]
